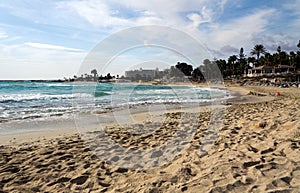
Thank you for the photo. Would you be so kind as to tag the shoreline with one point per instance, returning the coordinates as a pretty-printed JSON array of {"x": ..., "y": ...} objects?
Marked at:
[{"x": 67, "y": 127}]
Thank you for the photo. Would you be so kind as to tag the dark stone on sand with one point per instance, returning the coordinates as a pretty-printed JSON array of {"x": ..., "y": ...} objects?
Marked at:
[
  {"x": 267, "y": 150},
  {"x": 79, "y": 180},
  {"x": 63, "y": 179},
  {"x": 108, "y": 173},
  {"x": 255, "y": 150},
  {"x": 236, "y": 175},
  {"x": 286, "y": 179},
  {"x": 294, "y": 146},
  {"x": 262, "y": 124},
  {"x": 248, "y": 180},
  {"x": 250, "y": 163},
  {"x": 187, "y": 172},
  {"x": 184, "y": 188},
  {"x": 229, "y": 187},
  {"x": 237, "y": 183},
  {"x": 259, "y": 166},
  {"x": 86, "y": 166},
  {"x": 121, "y": 170}
]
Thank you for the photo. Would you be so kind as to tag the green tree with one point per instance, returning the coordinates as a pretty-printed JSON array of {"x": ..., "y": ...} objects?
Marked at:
[
  {"x": 197, "y": 75},
  {"x": 185, "y": 68},
  {"x": 292, "y": 58},
  {"x": 297, "y": 57},
  {"x": 242, "y": 55},
  {"x": 95, "y": 73},
  {"x": 242, "y": 63},
  {"x": 269, "y": 59},
  {"x": 108, "y": 76},
  {"x": 222, "y": 66},
  {"x": 284, "y": 58},
  {"x": 208, "y": 70},
  {"x": 258, "y": 50},
  {"x": 297, "y": 60},
  {"x": 231, "y": 63}
]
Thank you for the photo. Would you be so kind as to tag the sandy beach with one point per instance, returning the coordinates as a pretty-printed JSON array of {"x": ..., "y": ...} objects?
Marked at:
[{"x": 256, "y": 149}]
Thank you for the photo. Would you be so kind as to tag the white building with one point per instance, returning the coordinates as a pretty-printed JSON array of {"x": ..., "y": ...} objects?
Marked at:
[
  {"x": 142, "y": 74},
  {"x": 269, "y": 70}
]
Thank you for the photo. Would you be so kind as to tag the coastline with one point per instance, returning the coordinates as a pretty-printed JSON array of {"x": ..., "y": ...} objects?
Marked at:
[
  {"x": 256, "y": 150},
  {"x": 67, "y": 127}
]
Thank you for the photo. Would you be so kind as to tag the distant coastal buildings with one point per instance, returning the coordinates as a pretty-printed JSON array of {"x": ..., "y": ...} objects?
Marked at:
[
  {"x": 270, "y": 70},
  {"x": 145, "y": 74}
]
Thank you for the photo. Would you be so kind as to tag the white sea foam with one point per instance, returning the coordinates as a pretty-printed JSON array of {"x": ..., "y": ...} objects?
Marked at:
[{"x": 19, "y": 101}]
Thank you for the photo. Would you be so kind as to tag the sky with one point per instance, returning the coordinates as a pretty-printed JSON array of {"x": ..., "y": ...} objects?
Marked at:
[{"x": 52, "y": 39}]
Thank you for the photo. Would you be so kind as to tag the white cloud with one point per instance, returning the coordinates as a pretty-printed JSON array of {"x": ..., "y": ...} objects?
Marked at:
[
  {"x": 106, "y": 13},
  {"x": 197, "y": 19},
  {"x": 28, "y": 62},
  {"x": 182, "y": 15},
  {"x": 228, "y": 48},
  {"x": 238, "y": 32},
  {"x": 52, "y": 47},
  {"x": 271, "y": 42},
  {"x": 97, "y": 13},
  {"x": 293, "y": 9},
  {"x": 222, "y": 4},
  {"x": 292, "y": 5},
  {"x": 244, "y": 27},
  {"x": 3, "y": 35}
]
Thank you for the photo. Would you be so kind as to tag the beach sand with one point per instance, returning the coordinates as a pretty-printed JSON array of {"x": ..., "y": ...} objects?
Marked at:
[{"x": 256, "y": 149}]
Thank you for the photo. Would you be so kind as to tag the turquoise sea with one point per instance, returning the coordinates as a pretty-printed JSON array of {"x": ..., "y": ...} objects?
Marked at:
[{"x": 21, "y": 101}]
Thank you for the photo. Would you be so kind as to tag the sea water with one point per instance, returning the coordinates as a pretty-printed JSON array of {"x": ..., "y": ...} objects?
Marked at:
[{"x": 27, "y": 101}]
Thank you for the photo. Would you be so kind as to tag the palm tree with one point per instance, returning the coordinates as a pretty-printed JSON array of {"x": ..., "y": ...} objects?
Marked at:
[
  {"x": 279, "y": 54},
  {"x": 231, "y": 61},
  {"x": 95, "y": 73},
  {"x": 257, "y": 50},
  {"x": 292, "y": 58},
  {"x": 278, "y": 49}
]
